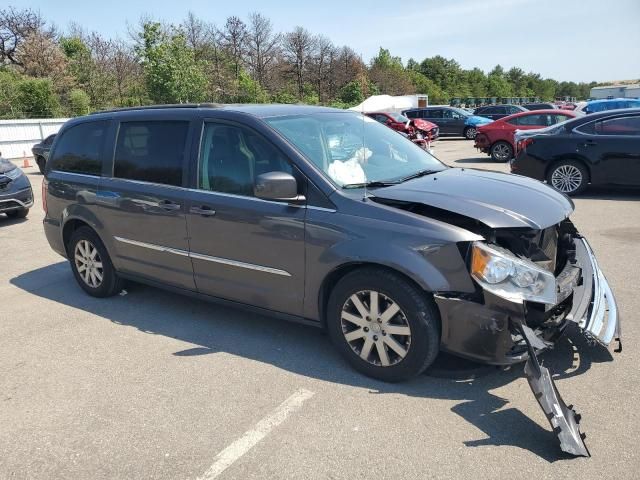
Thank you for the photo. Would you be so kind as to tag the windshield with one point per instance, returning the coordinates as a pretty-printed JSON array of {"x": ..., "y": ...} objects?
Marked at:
[
  {"x": 353, "y": 149},
  {"x": 464, "y": 113},
  {"x": 399, "y": 118}
]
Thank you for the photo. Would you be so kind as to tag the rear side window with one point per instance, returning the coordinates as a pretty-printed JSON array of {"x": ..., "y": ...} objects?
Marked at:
[
  {"x": 151, "y": 151},
  {"x": 79, "y": 149},
  {"x": 433, "y": 114},
  {"x": 628, "y": 126},
  {"x": 413, "y": 114}
]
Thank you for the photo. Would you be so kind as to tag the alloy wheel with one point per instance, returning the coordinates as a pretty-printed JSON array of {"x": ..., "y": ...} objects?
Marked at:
[
  {"x": 375, "y": 328},
  {"x": 566, "y": 178},
  {"x": 88, "y": 263},
  {"x": 471, "y": 133},
  {"x": 502, "y": 152}
]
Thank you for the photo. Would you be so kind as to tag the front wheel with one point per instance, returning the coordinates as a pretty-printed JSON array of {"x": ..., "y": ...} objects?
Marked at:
[
  {"x": 470, "y": 133},
  {"x": 384, "y": 326},
  {"x": 569, "y": 177}
]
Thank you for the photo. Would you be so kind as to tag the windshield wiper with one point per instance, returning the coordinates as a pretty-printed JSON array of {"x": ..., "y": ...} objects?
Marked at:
[
  {"x": 421, "y": 173},
  {"x": 376, "y": 183}
]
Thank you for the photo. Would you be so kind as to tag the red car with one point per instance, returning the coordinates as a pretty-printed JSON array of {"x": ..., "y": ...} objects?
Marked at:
[
  {"x": 496, "y": 138},
  {"x": 428, "y": 130}
]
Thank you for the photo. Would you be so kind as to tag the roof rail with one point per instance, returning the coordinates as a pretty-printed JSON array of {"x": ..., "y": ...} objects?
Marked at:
[{"x": 159, "y": 107}]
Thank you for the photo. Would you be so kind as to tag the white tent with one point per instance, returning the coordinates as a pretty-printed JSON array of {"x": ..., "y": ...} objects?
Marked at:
[{"x": 388, "y": 103}]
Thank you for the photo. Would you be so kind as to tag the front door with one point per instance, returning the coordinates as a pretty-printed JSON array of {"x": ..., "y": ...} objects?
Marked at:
[
  {"x": 243, "y": 248},
  {"x": 144, "y": 205}
]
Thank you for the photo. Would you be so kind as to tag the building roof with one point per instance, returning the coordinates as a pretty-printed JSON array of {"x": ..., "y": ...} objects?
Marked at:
[{"x": 637, "y": 85}]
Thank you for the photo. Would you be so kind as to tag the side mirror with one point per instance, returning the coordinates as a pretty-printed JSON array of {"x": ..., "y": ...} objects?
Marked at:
[{"x": 278, "y": 186}]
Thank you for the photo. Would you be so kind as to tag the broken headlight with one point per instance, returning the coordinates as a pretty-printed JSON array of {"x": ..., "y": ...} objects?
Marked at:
[{"x": 515, "y": 279}]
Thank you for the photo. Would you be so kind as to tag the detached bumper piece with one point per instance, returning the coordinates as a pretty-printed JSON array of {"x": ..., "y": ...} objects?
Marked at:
[
  {"x": 563, "y": 419},
  {"x": 594, "y": 307}
]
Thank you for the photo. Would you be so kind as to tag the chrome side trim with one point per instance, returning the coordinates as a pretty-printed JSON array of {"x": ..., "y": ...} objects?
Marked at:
[
  {"x": 235, "y": 263},
  {"x": 28, "y": 204},
  {"x": 151, "y": 246},
  {"x": 208, "y": 258}
]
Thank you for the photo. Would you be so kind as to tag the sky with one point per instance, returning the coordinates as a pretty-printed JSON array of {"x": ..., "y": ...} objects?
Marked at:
[{"x": 571, "y": 40}]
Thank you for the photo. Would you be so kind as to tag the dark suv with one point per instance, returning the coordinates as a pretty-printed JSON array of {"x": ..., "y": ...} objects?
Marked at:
[{"x": 327, "y": 217}]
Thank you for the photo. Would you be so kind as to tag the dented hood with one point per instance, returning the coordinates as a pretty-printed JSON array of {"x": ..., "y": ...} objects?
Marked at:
[{"x": 498, "y": 200}]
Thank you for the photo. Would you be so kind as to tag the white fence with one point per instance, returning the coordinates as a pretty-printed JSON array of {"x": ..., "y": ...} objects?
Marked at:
[{"x": 18, "y": 136}]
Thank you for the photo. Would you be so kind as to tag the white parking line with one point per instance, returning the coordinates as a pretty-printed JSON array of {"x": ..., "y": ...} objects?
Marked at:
[{"x": 237, "y": 449}]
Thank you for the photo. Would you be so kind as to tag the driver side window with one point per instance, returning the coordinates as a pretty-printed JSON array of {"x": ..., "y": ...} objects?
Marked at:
[{"x": 231, "y": 157}]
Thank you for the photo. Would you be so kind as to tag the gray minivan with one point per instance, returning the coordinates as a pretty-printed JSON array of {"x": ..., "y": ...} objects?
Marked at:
[{"x": 327, "y": 217}]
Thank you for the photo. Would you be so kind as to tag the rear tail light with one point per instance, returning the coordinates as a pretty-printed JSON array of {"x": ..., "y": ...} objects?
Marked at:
[
  {"x": 522, "y": 144},
  {"x": 45, "y": 188}
]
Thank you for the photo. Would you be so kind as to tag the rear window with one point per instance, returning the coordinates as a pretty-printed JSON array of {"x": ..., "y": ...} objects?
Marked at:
[
  {"x": 151, "y": 151},
  {"x": 79, "y": 149}
]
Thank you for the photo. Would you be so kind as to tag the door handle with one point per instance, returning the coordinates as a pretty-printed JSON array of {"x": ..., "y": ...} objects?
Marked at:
[
  {"x": 590, "y": 143},
  {"x": 169, "y": 205},
  {"x": 203, "y": 210}
]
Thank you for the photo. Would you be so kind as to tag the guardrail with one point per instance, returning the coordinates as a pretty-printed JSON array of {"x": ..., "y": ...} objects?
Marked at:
[{"x": 18, "y": 136}]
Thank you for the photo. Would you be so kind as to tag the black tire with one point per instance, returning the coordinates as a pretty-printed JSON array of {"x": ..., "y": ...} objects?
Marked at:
[
  {"x": 470, "y": 133},
  {"x": 556, "y": 172},
  {"x": 41, "y": 162},
  {"x": 111, "y": 283},
  {"x": 22, "y": 213},
  {"x": 501, "y": 152},
  {"x": 420, "y": 314}
]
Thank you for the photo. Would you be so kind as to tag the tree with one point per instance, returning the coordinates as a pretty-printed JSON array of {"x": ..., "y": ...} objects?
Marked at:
[
  {"x": 41, "y": 56},
  {"x": 298, "y": 48},
  {"x": 351, "y": 94},
  {"x": 171, "y": 71},
  {"x": 234, "y": 35},
  {"x": 36, "y": 98},
  {"x": 389, "y": 75},
  {"x": 15, "y": 27},
  {"x": 79, "y": 102},
  {"x": 262, "y": 47}
]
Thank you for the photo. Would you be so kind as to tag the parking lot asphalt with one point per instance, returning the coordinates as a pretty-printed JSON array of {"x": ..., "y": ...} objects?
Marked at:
[{"x": 151, "y": 384}]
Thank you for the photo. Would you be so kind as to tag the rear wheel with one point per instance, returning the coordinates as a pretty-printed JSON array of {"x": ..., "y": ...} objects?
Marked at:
[
  {"x": 569, "y": 177},
  {"x": 470, "y": 133},
  {"x": 384, "y": 326},
  {"x": 22, "y": 213},
  {"x": 501, "y": 152},
  {"x": 91, "y": 264}
]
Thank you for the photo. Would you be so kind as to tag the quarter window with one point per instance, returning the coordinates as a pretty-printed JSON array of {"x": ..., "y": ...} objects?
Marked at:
[
  {"x": 151, "y": 151},
  {"x": 79, "y": 149},
  {"x": 231, "y": 157}
]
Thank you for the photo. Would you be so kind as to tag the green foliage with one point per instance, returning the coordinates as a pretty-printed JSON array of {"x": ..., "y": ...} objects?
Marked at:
[
  {"x": 9, "y": 81},
  {"x": 351, "y": 94},
  {"x": 36, "y": 98},
  {"x": 171, "y": 71},
  {"x": 79, "y": 102}
]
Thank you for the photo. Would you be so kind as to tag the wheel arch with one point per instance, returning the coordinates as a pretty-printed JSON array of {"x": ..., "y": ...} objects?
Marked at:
[
  {"x": 339, "y": 272},
  {"x": 572, "y": 158}
]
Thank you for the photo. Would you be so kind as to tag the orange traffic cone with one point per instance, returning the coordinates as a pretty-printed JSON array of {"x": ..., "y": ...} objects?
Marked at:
[{"x": 25, "y": 160}]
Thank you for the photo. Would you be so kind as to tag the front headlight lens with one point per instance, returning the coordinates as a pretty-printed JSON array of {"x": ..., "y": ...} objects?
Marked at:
[
  {"x": 515, "y": 279},
  {"x": 13, "y": 173}
]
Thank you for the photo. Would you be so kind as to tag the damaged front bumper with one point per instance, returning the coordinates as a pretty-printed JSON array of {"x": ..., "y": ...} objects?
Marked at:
[{"x": 500, "y": 332}]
